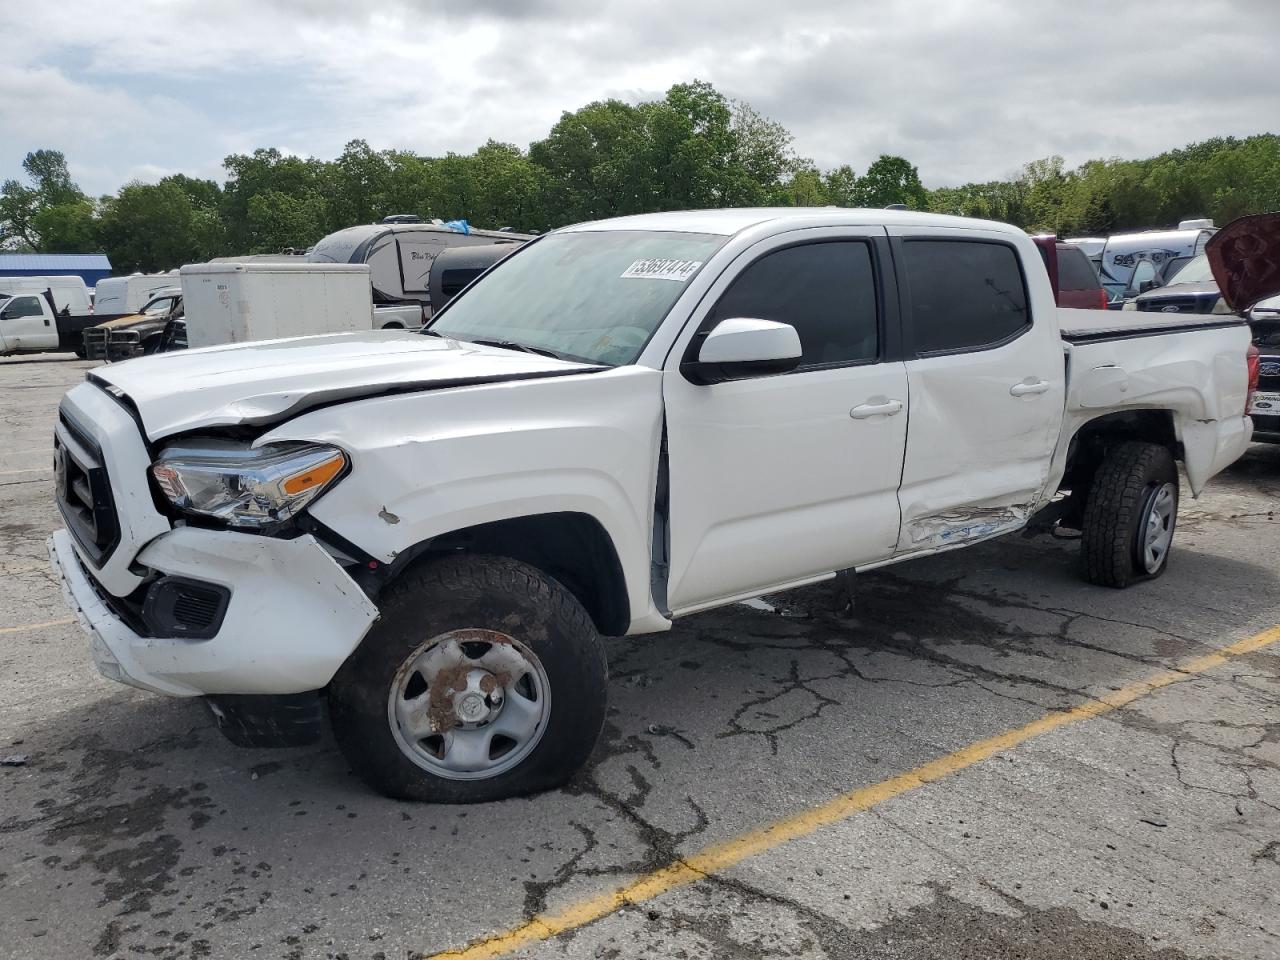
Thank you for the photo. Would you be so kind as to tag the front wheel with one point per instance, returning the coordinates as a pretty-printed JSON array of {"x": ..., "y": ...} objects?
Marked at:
[
  {"x": 1130, "y": 515},
  {"x": 483, "y": 679}
]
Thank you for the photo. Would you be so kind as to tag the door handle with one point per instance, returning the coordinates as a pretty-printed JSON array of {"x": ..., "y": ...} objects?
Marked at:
[
  {"x": 1029, "y": 388},
  {"x": 878, "y": 408}
]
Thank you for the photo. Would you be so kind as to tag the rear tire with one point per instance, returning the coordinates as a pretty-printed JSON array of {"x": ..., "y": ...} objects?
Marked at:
[
  {"x": 483, "y": 679},
  {"x": 1130, "y": 515}
]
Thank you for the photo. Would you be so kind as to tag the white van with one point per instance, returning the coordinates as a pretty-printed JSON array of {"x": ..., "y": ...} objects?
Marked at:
[
  {"x": 1132, "y": 263},
  {"x": 122, "y": 296},
  {"x": 69, "y": 292}
]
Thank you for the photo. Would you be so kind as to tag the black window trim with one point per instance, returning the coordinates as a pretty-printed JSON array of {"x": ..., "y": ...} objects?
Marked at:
[
  {"x": 886, "y": 288},
  {"x": 909, "y": 350}
]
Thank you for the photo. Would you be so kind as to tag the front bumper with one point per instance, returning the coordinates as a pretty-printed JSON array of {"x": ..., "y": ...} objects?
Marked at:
[{"x": 293, "y": 617}]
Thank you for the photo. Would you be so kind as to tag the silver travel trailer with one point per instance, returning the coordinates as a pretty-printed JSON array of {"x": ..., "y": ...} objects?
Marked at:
[
  {"x": 400, "y": 256},
  {"x": 1132, "y": 263}
]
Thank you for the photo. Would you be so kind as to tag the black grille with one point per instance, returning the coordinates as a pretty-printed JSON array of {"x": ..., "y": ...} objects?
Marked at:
[
  {"x": 83, "y": 491},
  {"x": 95, "y": 343},
  {"x": 1178, "y": 304},
  {"x": 178, "y": 607},
  {"x": 196, "y": 610}
]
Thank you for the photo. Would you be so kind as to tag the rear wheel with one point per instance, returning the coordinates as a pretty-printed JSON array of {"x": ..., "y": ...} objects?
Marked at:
[
  {"x": 1130, "y": 515},
  {"x": 483, "y": 679}
]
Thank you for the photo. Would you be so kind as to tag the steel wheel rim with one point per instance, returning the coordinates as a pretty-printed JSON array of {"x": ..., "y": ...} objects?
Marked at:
[
  {"x": 1156, "y": 529},
  {"x": 469, "y": 704}
]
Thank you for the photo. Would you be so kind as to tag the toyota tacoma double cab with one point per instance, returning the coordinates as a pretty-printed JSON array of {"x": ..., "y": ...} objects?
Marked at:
[{"x": 424, "y": 536}]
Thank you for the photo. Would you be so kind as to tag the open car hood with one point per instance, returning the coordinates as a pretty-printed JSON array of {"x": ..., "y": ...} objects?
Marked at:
[
  {"x": 1245, "y": 258},
  {"x": 270, "y": 381}
]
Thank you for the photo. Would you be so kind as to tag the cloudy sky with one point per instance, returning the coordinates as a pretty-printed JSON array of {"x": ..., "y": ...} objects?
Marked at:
[{"x": 965, "y": 89}]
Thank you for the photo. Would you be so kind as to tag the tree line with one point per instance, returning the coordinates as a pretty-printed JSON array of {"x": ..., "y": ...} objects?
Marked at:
[{"x": 693, "y": 148}]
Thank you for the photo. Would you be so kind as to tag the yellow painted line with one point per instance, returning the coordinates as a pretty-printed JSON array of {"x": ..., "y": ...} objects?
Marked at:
[
  {"x": 38, "y": 626},
  {"x": 721, "y": 856}
]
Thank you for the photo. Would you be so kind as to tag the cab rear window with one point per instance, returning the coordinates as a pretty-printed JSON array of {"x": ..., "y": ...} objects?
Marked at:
[{"x": 1075, "y": 272}]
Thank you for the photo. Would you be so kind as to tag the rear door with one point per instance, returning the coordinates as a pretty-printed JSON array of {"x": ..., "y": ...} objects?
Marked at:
[
  {"x": 27, "y": 325},
  {"x": 986, "y": 377},
  {"x": 783, "y": 478}
]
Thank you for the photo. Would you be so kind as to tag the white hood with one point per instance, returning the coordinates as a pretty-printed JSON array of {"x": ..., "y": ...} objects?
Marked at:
[{"x": 272, "y": 380}]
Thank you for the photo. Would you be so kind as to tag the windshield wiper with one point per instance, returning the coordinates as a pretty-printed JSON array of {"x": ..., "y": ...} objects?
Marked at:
[{"x": 523, "y": 347}]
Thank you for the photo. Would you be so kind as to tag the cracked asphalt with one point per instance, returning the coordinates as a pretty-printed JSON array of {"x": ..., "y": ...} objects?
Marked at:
[{"x": 134, "y": 829}]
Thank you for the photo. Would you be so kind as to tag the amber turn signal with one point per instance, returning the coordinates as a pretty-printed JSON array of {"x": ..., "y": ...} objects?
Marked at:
[{"x": 316, "y": 476}]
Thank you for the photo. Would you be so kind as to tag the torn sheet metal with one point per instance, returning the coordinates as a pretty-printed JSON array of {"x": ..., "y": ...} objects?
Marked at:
[{"x": 959, "y": 526}]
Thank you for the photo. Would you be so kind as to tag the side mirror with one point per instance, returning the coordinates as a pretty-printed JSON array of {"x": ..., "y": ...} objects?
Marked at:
[
  {"x": 740, "y": 347},
  {"x": 1146, "y": 285}
]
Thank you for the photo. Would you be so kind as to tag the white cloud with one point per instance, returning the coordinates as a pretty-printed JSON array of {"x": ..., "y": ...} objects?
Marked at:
[{"x": 966, "y": 89}]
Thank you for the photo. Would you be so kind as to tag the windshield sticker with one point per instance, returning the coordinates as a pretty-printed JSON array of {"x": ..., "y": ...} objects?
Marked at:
[{"x": 660, "y": 269}]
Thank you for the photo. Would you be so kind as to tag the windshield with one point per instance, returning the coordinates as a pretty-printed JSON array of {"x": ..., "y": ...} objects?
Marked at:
[
  {"x": 593, "y": 296},
  {"x": 1197, "y": 271},
  {"x": 158, "y": 307}
]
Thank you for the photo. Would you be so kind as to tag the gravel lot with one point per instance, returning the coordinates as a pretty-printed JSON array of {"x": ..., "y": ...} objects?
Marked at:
[{"x": 1149, "y": 828}]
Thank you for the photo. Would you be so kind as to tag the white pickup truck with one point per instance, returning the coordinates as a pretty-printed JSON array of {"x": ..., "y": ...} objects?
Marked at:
[
  {"x": 38, "y": 319},
  {"x": 622, "y": 423}
]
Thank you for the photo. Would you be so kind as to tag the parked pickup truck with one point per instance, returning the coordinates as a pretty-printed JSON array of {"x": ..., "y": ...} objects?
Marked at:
[
  {"x": 138, "y": 334},
  {"x": 32, "y": 322},
  {"x": 620, "y": 424}
]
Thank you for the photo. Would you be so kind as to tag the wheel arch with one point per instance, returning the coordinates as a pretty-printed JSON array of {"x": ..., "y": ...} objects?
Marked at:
[
  {"x": 1093, "y": 438},
  {"x": 572, "y": 547}
]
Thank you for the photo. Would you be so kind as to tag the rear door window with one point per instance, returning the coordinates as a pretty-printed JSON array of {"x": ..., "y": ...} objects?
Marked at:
[{"x": 965, "y": 294}]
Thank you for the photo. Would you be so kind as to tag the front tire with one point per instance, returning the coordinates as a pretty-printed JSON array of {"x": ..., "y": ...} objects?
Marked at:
[
  {"x": 1130, "y": 515},
  {"x": 483, "y": 679}
]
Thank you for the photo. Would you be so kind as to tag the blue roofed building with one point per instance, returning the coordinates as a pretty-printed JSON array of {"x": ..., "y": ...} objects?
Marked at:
[{"x": 91, "y": 266}]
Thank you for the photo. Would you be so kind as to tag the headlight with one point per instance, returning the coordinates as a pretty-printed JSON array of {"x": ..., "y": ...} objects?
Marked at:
[
  {"x": 1221, "y": 306},
  {"x": 243, "y": 486},
  {"x": 1130, "y": 305}
]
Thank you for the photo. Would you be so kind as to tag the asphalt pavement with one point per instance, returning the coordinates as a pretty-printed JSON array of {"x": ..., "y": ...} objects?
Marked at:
[{"x": 986, "y": 757}]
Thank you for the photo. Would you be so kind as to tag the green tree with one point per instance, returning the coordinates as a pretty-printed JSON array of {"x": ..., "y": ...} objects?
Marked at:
[
  {"x": 270, "y": 171},
  {"x": 22, "y": 204},
  {"x": 70, "y": 227},
  {"x": 891, "y": 179},
  {"x": 150, "y": 227},
  {"x": 279, "y": 220},
  {"x": 841, "y": 186}
]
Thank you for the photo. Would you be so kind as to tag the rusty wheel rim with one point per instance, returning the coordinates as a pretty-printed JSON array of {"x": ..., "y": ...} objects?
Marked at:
[{"x": 469, "y": 704}]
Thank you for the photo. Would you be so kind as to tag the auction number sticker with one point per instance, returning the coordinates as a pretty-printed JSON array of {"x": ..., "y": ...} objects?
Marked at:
[{"x": 661, "y": 269}]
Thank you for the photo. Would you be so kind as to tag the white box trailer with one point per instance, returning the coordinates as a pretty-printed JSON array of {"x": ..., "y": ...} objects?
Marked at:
[
  {"x": 124, "y": 296},
  {"x": 238, "y": 302}
]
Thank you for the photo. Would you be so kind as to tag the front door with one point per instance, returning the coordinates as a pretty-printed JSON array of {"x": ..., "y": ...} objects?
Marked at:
[
  {"x": 779, "y": 479},
  {"x": 27, "y": 326},
  {"x": 987, "y": 378}
]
